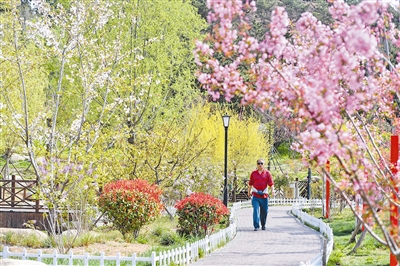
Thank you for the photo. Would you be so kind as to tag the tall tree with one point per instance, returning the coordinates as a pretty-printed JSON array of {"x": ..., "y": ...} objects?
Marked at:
[{"x": 22, "y": 76}]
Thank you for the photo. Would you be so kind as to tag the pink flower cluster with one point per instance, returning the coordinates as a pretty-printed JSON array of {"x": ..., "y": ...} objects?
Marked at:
[{"x": 318, "y": 76}]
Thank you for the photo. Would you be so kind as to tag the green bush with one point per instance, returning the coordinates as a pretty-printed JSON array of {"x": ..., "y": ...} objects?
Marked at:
[
  {"x": 32, "y": 240},
  {"x": 50, "y": 242},
  {"x": 158, "y": 231},
  {"x": 85, "y": 239},
  {"x": 169, "y": 239},
  {"x": 198, "y": 213},
  {"x": 201, "y": 253},
  {"x": 130, "y": 204}
]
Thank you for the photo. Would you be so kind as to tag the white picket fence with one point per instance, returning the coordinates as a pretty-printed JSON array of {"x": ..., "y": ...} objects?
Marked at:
[
  {"x": 74, "y": 259},
  {"x": 183, "y": 255},
  {"x": 324, "y": 229}
]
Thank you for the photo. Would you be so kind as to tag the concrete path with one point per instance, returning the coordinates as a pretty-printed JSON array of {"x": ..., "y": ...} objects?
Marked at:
[
  {"x": 13, "y": 262},
  {"x": 286, "y": 242}
]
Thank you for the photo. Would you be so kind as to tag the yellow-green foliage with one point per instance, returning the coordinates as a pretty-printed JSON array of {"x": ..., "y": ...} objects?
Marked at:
[
  {"x": 22, "y": 80},
  {"x": 125, "y": 98},
  {"x": 246, "y": 140},
  {"x": 188, "y": 153}
]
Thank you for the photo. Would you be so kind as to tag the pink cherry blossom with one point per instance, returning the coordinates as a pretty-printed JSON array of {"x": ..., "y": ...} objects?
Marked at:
[{"x": 332, "y": 83}]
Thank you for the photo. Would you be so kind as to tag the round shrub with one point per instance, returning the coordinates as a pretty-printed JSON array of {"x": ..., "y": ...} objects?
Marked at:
[
  {"x": 198, "y": 213},
  {"x": 130, "y": 204}
]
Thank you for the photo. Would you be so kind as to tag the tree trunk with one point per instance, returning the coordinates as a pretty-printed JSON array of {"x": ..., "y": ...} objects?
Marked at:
[
  {"x": 355, "y": 232},
  {"x": 359, "y": 242},
  {"x": 6, "y": 173}
]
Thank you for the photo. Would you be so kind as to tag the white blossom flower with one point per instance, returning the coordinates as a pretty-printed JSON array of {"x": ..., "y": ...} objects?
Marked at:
[
  {"x": 17, "y": 116},
  {"x": 75, "y": 125}
]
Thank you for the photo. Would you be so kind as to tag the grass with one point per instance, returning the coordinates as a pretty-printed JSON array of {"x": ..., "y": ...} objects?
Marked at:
[
  {"x": 369, "y": 253},
  {"x": 161, "y": 235}
]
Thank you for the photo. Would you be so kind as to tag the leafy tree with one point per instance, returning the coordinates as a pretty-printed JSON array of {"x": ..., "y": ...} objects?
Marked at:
[
  {"x": 261, "y": 18},
  {"x": 188, "y": 154},
  {"x": 155, "y": 90},
  {"x": 65, "y": 201},
  {"x": 201, "y": 6},
  {"x": 170, "y": 155},
  {"x": 22, "y": 77},
  {"x": 87, "y": 77}
]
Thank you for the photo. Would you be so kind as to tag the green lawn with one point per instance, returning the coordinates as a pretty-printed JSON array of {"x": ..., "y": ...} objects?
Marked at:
[{"x": 369, "y": 253}]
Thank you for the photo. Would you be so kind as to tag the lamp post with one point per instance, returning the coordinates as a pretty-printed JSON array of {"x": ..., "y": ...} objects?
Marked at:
[
  {"x": 225, "y": 119},
  {"x": 309, "y": 183}
]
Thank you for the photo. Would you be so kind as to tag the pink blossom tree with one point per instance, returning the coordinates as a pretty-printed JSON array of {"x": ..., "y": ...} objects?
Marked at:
[{"x": 335, "y": 84}]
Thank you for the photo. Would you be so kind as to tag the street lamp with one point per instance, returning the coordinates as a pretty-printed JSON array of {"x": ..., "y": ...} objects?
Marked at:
[
  {"x": 309, "y": 183},
  {"x": 225, "y": 119}
]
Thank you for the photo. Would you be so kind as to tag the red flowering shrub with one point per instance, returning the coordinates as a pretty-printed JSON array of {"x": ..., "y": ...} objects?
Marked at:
[
  {"x": 130, "y": 204},
  {"x": 198, "y": 213}
]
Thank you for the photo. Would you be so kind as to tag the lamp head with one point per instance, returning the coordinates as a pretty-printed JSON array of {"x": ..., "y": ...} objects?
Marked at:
[{"x": 226, "y": 118}]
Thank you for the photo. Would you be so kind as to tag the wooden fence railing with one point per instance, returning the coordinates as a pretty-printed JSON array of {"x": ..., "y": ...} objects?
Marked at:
[{"x": 18, "y": 194}]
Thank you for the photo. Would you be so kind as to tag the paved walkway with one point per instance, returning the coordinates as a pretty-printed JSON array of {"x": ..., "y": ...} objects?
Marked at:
[{"x": 286, "y": 242}]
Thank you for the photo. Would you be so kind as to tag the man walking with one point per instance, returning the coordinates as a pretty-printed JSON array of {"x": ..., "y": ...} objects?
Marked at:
[{"x": 260, "y": 179}]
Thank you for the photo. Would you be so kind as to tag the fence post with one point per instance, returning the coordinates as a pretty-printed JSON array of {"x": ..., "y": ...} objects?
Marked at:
[
  {"x": 328, "y": 194},
  {"x": 118, "y": 260},
  {"x": 71, "y": 258},
  {"x": 86, "y": 259},
  {"x": 39, "y": 257},
  {"x": 187, "y": 253},
  {"x": 24, "y": 254},
  {"x": 5, "y": 252},
  {"x": 55, "y": 257},
  {"x": 324, "y": 253},
  {"x": 181, "y": 255},
  {"x": 207, "y": 245},
  {"x": 153, "y": 259},
  {"x": 12, "y": 190},
  {"x": 102, "y": 258},
  {"x": 37, "y": 199}
]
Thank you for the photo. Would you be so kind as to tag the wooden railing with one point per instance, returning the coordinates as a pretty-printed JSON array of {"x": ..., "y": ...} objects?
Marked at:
[{"x": 18, "y": 194}]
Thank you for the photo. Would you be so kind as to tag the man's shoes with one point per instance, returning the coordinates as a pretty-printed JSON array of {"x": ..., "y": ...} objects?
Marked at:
[
  {"x": 263, "y": 228},
  {"x": 255, "y": 229}
]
